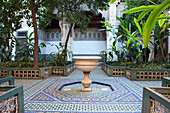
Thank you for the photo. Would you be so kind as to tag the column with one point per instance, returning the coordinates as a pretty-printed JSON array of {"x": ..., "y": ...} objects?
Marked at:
[
  {"x": 65, "y": 26},
  {"x": 112, "y": 21}
]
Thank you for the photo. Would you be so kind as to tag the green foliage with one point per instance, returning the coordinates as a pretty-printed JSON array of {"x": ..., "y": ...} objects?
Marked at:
[
  {"x": 162, "y": 21},
  {"x": 71, "y": 10},
  {"x": 11, "y": 14},
  {"x": 26, "y": 52},
  {"x": 141, "y": 8},
  {"x": 112, "y": 1},
  {"x": 152, "y": 19},
  {"x": 126, "y": 43},
  {"x": 13, "y": 64},
  {"x": 133, "y": 44},
  {"x": 148, "y": 65},
  {"x": 129, "y": 17},
  {"x": 58, "y": 58},
  {"x": 142, "y": 65},
  {"x": 159, "y": 39},
  {"x": 5, "y": 51},
  {"x": 136, "y": 3},
  {"x": 104, "y": 56}
]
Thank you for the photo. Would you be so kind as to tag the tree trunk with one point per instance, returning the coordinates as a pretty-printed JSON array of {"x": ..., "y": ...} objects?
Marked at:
[
  {"x": 66, "y": 43},
  {"x": 35, "y": 64}
]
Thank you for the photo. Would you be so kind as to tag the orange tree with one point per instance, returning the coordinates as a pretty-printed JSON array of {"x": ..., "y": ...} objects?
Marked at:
[
  {"x": 46, "y": 10},
  {"x": 11, "y": 14},
  {"x": 72, "y": 11}
]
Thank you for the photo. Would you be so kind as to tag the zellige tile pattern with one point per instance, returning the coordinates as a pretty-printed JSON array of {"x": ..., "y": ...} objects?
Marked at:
[{"x": 50, "y": 95}]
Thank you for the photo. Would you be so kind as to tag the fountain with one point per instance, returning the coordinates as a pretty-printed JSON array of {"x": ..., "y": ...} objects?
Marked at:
[{"x": 86, "y": 64}]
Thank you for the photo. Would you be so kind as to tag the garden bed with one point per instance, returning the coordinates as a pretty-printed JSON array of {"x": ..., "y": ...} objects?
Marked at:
[
  {"x": 136, "y": 73},
  {"x": 36, "y": 73},
  {"x": 114, "y": 70},
  {"x": 62, "y": 70},
  {"x": 29, "y": 72},
  {"x": 146, "y": 74}
]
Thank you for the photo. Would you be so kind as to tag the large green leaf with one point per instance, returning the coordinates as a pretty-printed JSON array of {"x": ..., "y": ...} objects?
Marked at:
[
  {"x": 138, "y": 26},
  {"x": 128, "y": 42},
  {"x": 151, "y": 21},
  {"x": 30, "y": 34},
  {"x": 120, "y": 20},
  {"x": 17, "y": 43},
  {"x": 119, "y": 37},
  {"x": 166, "y": 17},
  {"x": 167, "y": 25},
  {"x": 152, "y": 2},
  {"x": 141, "y": 8},
  {"x": 161, "y": 22},
  {"x": 143, "y": 14},
  {"x": 128, "y": 33},
  {"x": 112, "y": 1}
]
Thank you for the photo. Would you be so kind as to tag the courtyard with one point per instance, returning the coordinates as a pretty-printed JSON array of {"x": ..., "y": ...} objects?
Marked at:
[
  {"x": 48, "y": 95},
  {"x": 84, "y": 56}
]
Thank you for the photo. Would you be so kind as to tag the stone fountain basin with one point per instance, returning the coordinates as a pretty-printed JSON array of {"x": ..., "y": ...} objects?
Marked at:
[{"x": 86, "y": 63}]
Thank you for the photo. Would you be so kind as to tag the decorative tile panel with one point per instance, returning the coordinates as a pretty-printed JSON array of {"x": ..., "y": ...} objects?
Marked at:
[
  {"x": 118, "y": 71},
  {"x": 58, "y": 71},
  {"x": 151, "y": 75},
  {"x": 10, "y": 105},
  {"x": 157, "y": 107},
  {"x": 26, "y": 73},
  {"x": 3, "y": 73},
  {"x": 47, "y": 96}
]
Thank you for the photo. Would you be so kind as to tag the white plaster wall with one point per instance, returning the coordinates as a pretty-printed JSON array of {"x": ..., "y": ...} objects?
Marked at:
[
  {"x": 24, "y": 27},
  {"x": 120, "y": 9},
  {"x": 50, "y": 48},
  {"x": 43, "y": 50},
  {"x": 89, "y": 47}
]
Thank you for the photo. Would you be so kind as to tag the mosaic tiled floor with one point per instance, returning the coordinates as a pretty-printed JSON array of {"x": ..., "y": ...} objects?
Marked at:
[
  {"x": 26, "y": 83},
  {"x": 109, "y": 94}
]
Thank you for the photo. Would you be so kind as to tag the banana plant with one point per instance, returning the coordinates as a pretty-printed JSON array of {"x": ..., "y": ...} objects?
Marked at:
[
  {"x": 58, "y": 58},
  {"x": 133, "y": 44},
  {"x": 104, "y": 56},
  {"x": 118, "y": 37},
  {"x": 27, "y": 50},
  {"x": 155, "y": 15},
  {"x": 159, "y": 37},
  {"x": 125, "y": 42}
]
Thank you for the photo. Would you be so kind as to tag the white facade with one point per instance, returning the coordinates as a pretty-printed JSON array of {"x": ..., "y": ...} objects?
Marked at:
[
  {"x": 79, "y": 44},
  {"x": 86, "y": 47},
  {"x": 89, "y": 47}
]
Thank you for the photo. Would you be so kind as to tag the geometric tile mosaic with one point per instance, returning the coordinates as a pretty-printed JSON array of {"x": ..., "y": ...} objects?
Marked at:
[
  {"x": 50, "y": 95},
  {"x": 97, "y": 89},
  {"x": 41, "y": 107}
]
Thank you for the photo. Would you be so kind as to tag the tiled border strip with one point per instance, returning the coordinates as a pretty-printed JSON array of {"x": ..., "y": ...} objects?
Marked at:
[
  {"x": 41, "y": 107},
  {"x": 36, "y": 88}
]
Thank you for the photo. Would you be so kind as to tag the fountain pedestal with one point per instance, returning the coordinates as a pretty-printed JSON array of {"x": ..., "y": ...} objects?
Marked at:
[
  {"x": 86, "y": 64},
  {"x": 86, "y": 82}
]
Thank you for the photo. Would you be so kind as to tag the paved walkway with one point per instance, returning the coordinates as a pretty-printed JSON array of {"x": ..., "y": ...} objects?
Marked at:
[
  {"x": 109, "y": 94},
  {"x": 26, "y": 83}
]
